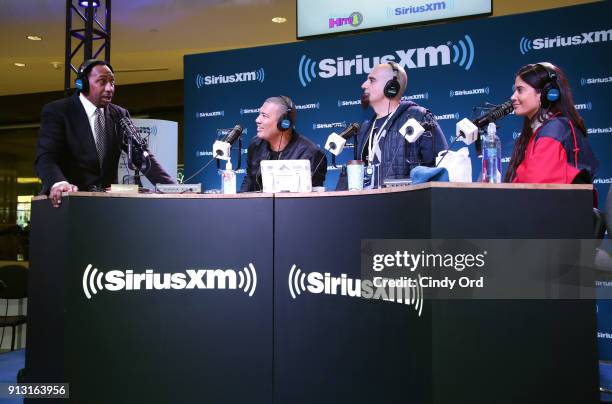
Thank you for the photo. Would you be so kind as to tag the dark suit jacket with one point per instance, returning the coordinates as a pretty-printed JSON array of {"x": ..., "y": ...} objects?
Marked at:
[{"x": 66, "y": 150}]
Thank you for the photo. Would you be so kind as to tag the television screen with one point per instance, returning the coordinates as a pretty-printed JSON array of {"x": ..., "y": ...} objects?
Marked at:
[{"x": 325, "y": 17}]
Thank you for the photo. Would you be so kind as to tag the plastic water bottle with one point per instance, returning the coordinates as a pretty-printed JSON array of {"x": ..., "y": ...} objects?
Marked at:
[
  {"x": 228, "y": 179},
  {"x": 491, "y": 156}
]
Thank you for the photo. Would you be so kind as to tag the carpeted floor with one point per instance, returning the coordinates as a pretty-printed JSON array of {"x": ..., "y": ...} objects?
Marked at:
[{"x": 10, "y": 363}]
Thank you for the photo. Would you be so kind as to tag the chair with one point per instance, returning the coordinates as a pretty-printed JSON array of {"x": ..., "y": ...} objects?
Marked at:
[{"x": 13, "y": 285}]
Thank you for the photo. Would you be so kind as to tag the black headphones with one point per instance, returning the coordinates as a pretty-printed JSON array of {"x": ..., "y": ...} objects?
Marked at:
[
  {"x": 285, "y": 122},
  {"x": 82, "y": 81},
  {"x": 392, "y": 87},
  {"x": 550, "y": 91}
]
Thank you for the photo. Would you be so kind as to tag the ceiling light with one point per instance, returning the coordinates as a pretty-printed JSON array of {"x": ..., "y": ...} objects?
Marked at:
[
  {"x": 85, "y": 3},
  {"x": 34, "y": 38},
  {"x": 19, "y": 64},
  {"x": 279, "y": 20}
]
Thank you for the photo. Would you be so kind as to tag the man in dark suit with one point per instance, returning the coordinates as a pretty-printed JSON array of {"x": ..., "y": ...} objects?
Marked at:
[{"x": 79, "y": 142}]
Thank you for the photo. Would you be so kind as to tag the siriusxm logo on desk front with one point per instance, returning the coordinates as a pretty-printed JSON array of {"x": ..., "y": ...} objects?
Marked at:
[
  {"x": 405, "y": 291},
  {"x": 211, "y": 80},
  {"x": 473, "y": 91},
  {"x": 95, "y": 281},
  {"x": 462, "y": 54},
  {"x": 560, "y": 41}
]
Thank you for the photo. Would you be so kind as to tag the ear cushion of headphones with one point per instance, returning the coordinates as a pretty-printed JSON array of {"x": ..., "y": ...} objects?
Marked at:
[
  {"x": 391, "y": 88},
  {"x": 284, "y": 122}
]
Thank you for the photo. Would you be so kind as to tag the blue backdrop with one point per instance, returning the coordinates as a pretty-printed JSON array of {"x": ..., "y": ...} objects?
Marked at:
[{"x": 452, "y": 68}]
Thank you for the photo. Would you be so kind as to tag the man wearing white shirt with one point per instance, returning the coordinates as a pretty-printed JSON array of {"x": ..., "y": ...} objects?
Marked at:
[{"x": 79, "y": 144}]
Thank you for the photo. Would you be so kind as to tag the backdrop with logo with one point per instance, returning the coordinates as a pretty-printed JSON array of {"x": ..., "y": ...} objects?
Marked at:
[{"x": 452, "y": 69}]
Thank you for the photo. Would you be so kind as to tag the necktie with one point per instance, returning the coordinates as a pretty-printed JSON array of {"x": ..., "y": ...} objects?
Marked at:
[{"x": 100, "y": 134}]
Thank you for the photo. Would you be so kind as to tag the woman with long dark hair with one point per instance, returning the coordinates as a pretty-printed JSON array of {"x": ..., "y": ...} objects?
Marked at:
[{"x": 553, "y": 146}]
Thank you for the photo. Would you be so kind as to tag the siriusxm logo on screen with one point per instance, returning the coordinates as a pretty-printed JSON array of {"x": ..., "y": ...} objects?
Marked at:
[
  {"x": 257, "y": 75},
  {"x": 354, "y": 20},
  {"x": 595, "y": 80},
  {"x": 95, "y": 281},
  {"x": 408, "y": 291},
  {"x": 411, "y": 9},
  {"x": 474, "y": 91},
  {"x": 348, "y": 103},
  {"x": 445, "y": 117},
  {"x": 462, "y": 54},
  {"x": 412, "y": 97},
  {"x": 525, "y": 45}
]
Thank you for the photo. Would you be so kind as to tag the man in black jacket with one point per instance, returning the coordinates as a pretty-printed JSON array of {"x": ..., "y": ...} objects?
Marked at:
[
  {"x": 277, "y": 140},
  {"x": 79, "y": 144}
]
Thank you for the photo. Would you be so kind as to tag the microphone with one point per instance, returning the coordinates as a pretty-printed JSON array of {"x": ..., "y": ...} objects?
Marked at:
[
  {"x": 221, "y": 148},
  {"x": 336, "y": 142},
  {"x": 468, "y": 130},
  {"x": 138, "y": 156}
]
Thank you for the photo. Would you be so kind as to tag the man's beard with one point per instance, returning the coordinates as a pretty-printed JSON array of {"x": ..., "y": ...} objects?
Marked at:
[{"x": 365, "y": 101}]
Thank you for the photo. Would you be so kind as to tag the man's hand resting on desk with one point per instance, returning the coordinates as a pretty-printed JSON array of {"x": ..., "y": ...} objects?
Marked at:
[{"x": 56, "y": 192}]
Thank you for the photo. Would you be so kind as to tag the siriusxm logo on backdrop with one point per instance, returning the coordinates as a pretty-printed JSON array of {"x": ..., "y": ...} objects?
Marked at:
[
  {"x": 587, "y": 106},
  {"x": 244, "y": 111},
  {"x": 348, "y": 103},
  {"x": 257, "y": 75},
  {"x": 354, "y": 20},
  {"x": 462, "y": 55},
  {"x": 329, "y": 125},
  {"x": 314, "y": 105},
  {"x": 596, "y": 80},
  {"x": 599, "y": 131},
  {"x": 95, "y": 281},
  {"x": 515, "y": 135},
  {"x": 525, "y": 45},
  {"x": 209, "y": 114},
  {"x": 444, "y": 117},
  {"x": 602, "y": 181},
  {"x": 425, "y": 8},
  {"x": 474, "y": 91},
  {"x": 424, "y": 96}
]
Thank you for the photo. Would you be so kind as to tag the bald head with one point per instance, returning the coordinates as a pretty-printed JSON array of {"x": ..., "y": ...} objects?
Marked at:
[{"x": 373, "y": 87}]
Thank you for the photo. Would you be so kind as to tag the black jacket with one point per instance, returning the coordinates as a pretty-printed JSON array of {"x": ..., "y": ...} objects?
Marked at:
[
  {"x": 299, "y": 148},
  {"x": 66, "y": 149}
]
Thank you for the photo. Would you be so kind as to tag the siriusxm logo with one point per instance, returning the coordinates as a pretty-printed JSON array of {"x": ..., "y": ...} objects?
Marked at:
[
  {"x": 599, "y": 131},
  {"x": 426, "y": 8},
  {"x": 462, "y": 54},
  {"x": 258, "y": 75},
  {"x": 249, "y": 111},
  {"x": 354, "y": 20},
  {"x": 203, "y": 153},
  {"x": 348, "y": 103},
  {"x": 330, "y": 125},
  {"x": 424, "y": 96},
  {"x": 525, "y": 45},
  {"x": 314, "y": 105},
  {"x": 95, "y": 281},
  {"x": 443, "y": 117},
  {"x": 515, "y": 135},
  {"x": 602, "y": 181},
  {"x": 209, "y": 114},
  {"x": 588, "y": 106},
  {"x": 474, "y": 91},
  {"x": 146, "y": 131},
  {"x": 597, "y": 80},
  {"x": 408, "y": 291}
]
